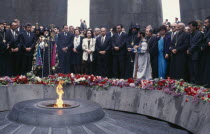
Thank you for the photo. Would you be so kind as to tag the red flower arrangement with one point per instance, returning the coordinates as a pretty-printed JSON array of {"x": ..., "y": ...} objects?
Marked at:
[{"x": 169, "y": 86}]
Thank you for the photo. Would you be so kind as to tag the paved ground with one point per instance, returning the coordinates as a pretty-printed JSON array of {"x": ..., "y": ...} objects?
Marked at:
[{"x": 113, "y": 123}]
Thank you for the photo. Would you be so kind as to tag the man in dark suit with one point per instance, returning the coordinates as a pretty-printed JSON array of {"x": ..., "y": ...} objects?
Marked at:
[
  {"x": 4, "y": 47},
  {"x": 28, "y": 42},
  {"x": 179, "y": 46},
  {"x": 193, "y": 51},
  {"x": 56, "y": 30},
  {"x": 103, "y": 47},
  {"x": 119, "y": 52},
  {"x": 153, "y": 50},
  {"x": 65, "y": 40},
  {"x": 19, "y": 29},
  {"x": 82, "y": 25},
  {"x": 14, "y": 51}
]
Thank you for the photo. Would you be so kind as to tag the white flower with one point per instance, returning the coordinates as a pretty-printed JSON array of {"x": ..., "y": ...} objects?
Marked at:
[
  {"x": 60, "y": 78},
  {"x": 72, "y": 75},
  {"x": 38, "y": 79},
  {"x": 82, "y": 79}
]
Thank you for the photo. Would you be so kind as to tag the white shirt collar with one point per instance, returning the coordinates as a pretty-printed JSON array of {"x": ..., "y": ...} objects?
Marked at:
[{"x": 103, "y": 36}]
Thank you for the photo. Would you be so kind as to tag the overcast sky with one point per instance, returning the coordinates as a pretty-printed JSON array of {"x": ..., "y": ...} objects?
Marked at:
[
  {"x": 77, "y": 11},
  {"x": 171, "y": 10}
]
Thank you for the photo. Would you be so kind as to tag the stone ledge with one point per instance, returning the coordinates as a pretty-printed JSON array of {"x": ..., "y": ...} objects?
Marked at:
[{"x": 194, "y": 117}]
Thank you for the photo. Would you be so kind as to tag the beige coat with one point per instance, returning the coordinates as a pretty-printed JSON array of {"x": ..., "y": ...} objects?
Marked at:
[{"x": 85, "y": 48}]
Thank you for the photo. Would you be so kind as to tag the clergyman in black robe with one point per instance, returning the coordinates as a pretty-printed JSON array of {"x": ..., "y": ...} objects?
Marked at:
[
  {"x": 132, "y": 40},
  {"x": 45, "y": 57},
  {"x": 204, "y": 70}
]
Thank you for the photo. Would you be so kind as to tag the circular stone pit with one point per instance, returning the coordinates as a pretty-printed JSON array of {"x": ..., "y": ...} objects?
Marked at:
[{"x": 36, "y": 113}]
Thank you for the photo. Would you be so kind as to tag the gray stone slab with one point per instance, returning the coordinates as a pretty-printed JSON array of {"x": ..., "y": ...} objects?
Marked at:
[
  {"x": 4, "y": 105},
  {"x": 106, "y": 98},
  {"x": 11, "y": 128},
  {"x": 28, "y": 112},
  {"x": 24, "y": 92},
  {"x": 194, "y": 10},
  {"x": 59, "y": 131},
  {"x": 93, "y": 128},
  {"x": 40, "y": 130},
  {"x": 77, "y": 130},
  {"x": 50, "y": 92},
  {"x": 112, "y": 12},
  {"x": 25, "y": 129},
  {"x": 45, "y": 12},
  {"x": 114, "y": 123}
]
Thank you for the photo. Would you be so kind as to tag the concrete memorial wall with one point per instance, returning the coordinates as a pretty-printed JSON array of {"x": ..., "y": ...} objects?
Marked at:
[
  {"x": 192, "y": 116},
  {"x": 194, "y": 10},
  {"x": 112, "y": 12},
  {"x": 43, "y": 11}
]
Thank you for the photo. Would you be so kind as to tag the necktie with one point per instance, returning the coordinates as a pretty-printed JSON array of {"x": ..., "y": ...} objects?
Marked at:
[
  {"x": 102, "y": 40},
  {"x": 14, "y": 34},
  {"x": 28, "y": 34}
]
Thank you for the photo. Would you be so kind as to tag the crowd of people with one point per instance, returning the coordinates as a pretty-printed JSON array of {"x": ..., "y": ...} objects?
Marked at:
[{"x": 177, "y": 50}]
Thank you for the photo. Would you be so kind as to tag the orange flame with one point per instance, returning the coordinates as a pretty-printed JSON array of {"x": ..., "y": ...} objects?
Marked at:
[{"x": 60, "y": 92}]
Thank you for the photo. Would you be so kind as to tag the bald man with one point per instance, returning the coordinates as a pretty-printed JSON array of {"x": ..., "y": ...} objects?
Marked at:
[
  {"x": 97, "y": 32},
  {"x": 179, "y": 46},
  {"x": 103, "y": 48},
  {"x": 173, "y": 30}
]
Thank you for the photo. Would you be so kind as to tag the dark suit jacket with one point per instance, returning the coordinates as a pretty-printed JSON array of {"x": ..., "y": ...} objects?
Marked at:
[
  {"x": 119, "y": 41},
  {"x": 153, "y": 46},
  {"x": 82, "y": 26},
  {"x": 196, "y": 40},
  {"x": 183, "y": 40},
  {"x": 65, "y": 41},
  {"x": 28, "y": 42},
  {"x": 206, "y": 39},
  {"x": 103, "y": 47},
  {"x": 20, "y": 30},
  {"x": 15, "y": 40}
]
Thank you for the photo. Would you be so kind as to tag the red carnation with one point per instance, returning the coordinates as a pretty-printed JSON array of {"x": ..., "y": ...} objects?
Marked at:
[
  {"x": 130, "y": 80},
  {"x": 186, "y": 100}
]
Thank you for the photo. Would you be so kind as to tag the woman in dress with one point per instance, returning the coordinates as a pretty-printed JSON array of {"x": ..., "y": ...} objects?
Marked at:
[
  {"x": 142, "y": 66},
  {"x": 88, "y": 47},
  {"x": 164, "y": 42},
  {"x": 77, "y": 52}
]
